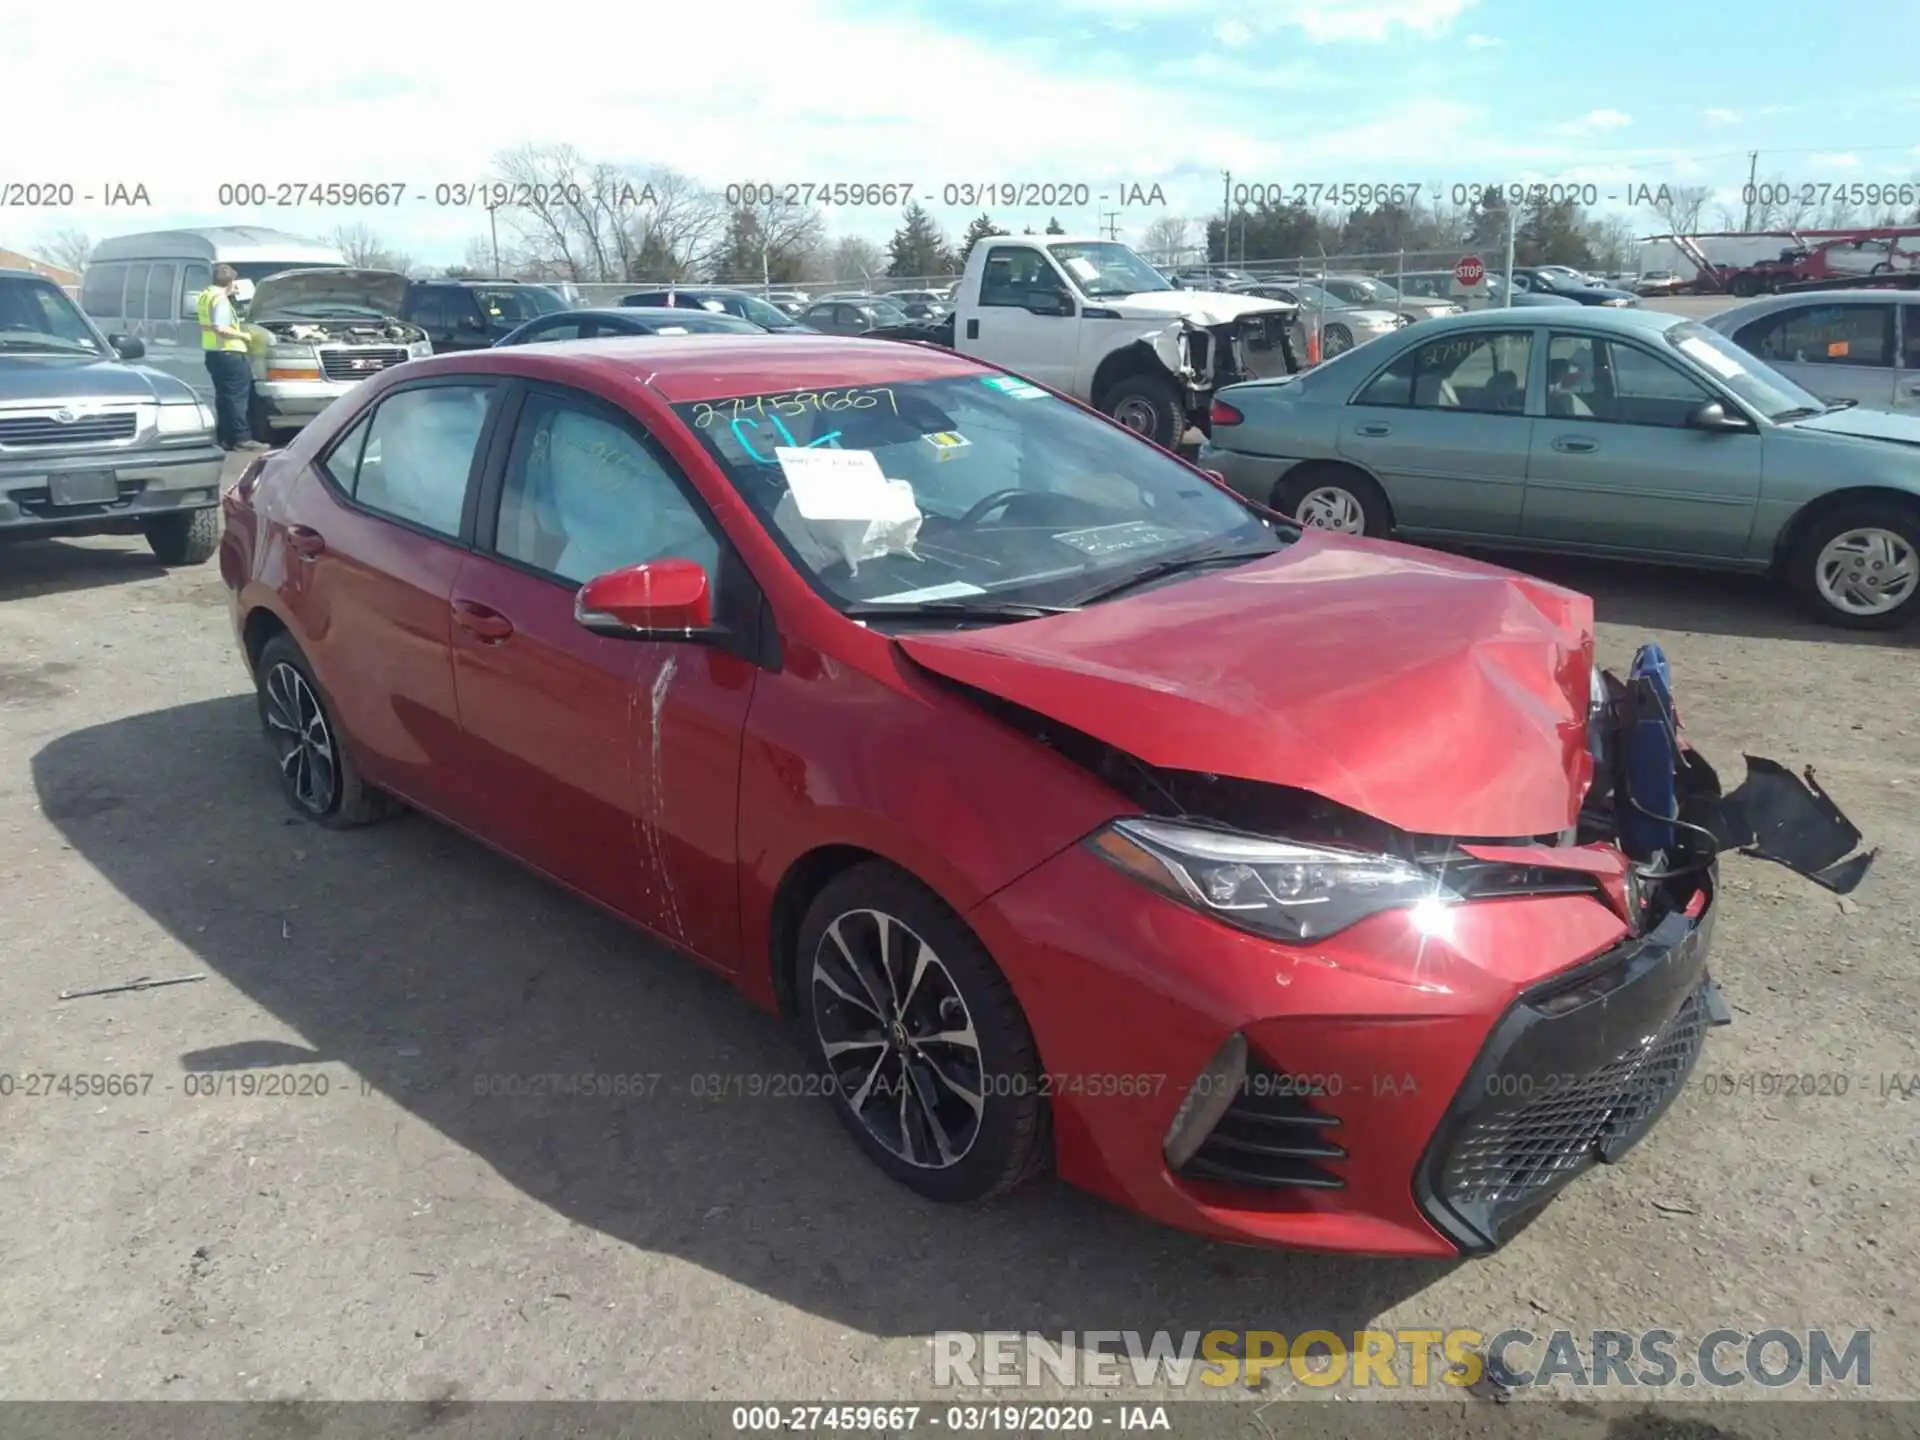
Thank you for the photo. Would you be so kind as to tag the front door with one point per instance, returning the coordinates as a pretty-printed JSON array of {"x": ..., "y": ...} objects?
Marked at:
[
  {"x": 1445, "y": 430},
  {"x": 611, "y": 764},
  {"x": 1906, "y": 393},
  {"x": 1615, "y": 464},
  {"x": 1026, "y": 318},
  {"x": 374, "y": 539}
]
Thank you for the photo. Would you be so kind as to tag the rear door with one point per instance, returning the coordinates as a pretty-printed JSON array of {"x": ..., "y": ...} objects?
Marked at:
[
  {"x": 1615, "y": 465},
  {"x": 1444, "y": 428},
  {"x": 612, "y": 764},
  {"x": 1840, "y": 350},
  {"x": 373, "y": 540}
]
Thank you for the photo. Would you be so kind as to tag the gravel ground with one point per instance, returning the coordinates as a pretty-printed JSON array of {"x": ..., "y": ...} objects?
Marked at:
[{"x": 403, "y": 1237}]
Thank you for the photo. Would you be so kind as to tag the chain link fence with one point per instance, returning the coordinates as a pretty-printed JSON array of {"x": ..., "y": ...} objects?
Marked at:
[{"x": 611, "y": 294}]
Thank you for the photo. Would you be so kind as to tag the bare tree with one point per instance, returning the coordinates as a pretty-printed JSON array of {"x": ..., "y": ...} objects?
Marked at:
[
  {"x": 852, "y": 258},
  {"x": 1167, "y": 238},
  {"x": 68, "y": 247},
  {"x": 1612, "y": 240},
  {"x": 1679, "y": 206},
  {"x": 366, "y": 250},
  {"x": 676, "y": 227}
]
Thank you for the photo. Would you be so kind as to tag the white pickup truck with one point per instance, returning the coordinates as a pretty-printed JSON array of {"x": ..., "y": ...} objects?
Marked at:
[{"x": 1091, "y": 319}]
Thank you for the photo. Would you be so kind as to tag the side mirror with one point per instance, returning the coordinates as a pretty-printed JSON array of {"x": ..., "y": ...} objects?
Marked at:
[
  {"x": 128, "y": 347},
  {"x": 643, "y": 601},
  {"x": 1713, "y": 416},
  {"x": 1051, "y": 304}
]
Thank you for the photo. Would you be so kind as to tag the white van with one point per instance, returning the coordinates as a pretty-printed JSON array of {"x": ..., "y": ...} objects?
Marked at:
[{"x": 145, "y": 285}]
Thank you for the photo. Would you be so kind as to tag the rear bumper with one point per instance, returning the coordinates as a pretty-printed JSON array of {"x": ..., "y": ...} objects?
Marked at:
[{"x": 150, "y": 483}]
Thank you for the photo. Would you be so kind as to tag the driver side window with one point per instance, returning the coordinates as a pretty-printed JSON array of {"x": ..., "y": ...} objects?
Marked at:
[
  {"x": 585, "y": 494},
  {"x": 1016, "y": 277}
]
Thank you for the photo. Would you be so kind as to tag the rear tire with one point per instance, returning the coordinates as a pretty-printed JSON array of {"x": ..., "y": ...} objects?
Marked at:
[
  {"x": 1335, "y": 497},
  {"x": 1149, "y": 406},
  {"x": 907, "y": 1105},
  {"x": 317, "y": 773},
  {"x": 188, "y": 537},
  {"x": 1854, "y": 558},
  {"x": 259, "y": 422}
]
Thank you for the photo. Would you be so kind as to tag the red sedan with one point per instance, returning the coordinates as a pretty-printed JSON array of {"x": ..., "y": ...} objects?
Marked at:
[{"x": 1080, "y": 815}]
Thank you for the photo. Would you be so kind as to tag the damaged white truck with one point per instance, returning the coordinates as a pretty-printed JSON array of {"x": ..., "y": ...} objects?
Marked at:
[{"x": 1092, "y": 319}]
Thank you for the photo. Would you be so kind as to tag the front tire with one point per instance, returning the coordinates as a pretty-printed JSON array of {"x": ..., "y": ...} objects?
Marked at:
[
  {"x": 1859, "y": 566},
  {"x": 259, "y": 422},
  {"x": 1149, "y": 406},
  {"x": 188, "y": 537},
  {"x": 934, "y": 1071},
  {"x": 317, "y": 773},
  {"x": 1334, "y": 497}
]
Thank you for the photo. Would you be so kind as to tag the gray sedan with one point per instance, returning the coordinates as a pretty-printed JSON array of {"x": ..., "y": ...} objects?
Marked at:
[
  {"x": 1860, "y": 345},
  {"x": 1591, "y": 431},
  {"x": 1372, "y": 290}
]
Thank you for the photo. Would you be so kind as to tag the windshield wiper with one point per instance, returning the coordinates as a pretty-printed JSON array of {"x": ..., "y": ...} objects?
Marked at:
[
  {"x": 1798, "y": 412},
  {"x": 953, "y": 610},
  {"x": 1176, "y": 565}
]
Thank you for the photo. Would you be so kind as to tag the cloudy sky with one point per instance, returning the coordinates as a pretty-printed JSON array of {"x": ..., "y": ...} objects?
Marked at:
[{"x": 1109, "y": 93}]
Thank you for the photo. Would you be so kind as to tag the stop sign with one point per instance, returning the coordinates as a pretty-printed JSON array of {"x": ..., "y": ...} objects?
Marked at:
[{"x": 1469, "y": 271}]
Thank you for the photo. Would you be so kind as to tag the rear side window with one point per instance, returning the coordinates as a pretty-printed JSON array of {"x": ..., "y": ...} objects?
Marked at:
[
  {"x": 342, "y": 462},
  {"x": 417, "y": 455},
  {"x": 101, "y": 289},
  {"x": 1480, "y": 370},
  {"x": 193, "y": 280},
  {"x": 1823, "y": 335}
]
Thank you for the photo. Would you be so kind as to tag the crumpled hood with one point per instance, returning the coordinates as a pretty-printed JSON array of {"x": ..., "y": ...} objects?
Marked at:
[
  {"x": 1861, "y": 423},
  {"x": 291, "y": 291},
  {"x": 1438, "y": 694},
  {"x": 1203, "y": 307}
]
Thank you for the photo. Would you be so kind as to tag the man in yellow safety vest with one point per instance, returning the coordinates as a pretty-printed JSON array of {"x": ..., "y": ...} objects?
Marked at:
[{"x": 224, "y": 343}]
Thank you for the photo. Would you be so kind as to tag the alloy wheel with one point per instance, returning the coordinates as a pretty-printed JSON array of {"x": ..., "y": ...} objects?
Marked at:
[
  {"x": 1867, "y": 571},
  {"x": 1328, "y": 507},
  {"x": 898, "y": 1037},
  {"x": 302, "y": 742}
]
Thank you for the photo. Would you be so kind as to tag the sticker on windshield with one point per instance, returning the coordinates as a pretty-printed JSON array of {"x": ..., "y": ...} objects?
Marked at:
[
  {"x": 842, "y": 485},
  {"x": 1083, "y": 268},
  {"x": 1116, "y": 539},
  {"x": 954, "y": 591},
  {"x": 1724, "y": 366},
  {"x": 1013, "y": 385},
  {"x": 948, "y": 444}
]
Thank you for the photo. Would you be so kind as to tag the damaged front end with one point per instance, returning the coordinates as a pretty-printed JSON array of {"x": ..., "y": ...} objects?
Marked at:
[{"x": 1204, "y": 358}]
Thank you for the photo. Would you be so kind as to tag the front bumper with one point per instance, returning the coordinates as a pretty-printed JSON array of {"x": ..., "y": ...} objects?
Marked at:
[
  {"x": 298, "y": 401},
  {"x": 1253, "y": 476},
  {"x": 147, "y": 482},
  {"x": 1366, "y": 1121}
]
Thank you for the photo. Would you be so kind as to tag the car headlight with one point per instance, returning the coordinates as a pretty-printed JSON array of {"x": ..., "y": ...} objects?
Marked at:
[
  {"x": 185, "y": 418},
  {"x": 1281, "y": 889},
  {"x": 419, "y": 348},
  {"x": 1619, "y": 303}
]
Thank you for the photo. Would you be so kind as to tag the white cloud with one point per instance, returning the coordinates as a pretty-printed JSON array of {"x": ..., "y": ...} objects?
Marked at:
[
  {"x": 1603, "y": 119},
  {"x": 1840, "y": 161},
  {"x": 1721, "y": 117},
  {"x": 1232, "y": 32},
  {"x": 1484, "y": 42},
  {"x": 1323, "y": 21}
]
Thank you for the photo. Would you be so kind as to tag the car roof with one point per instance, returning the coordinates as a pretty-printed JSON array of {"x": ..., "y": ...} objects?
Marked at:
[
  {"x": 687, "y": 368},
  {"x": 29, "y": 275},
  {"x": 1767, "y": 304},
  {"x": 665, "y": 314},
  {"x": 1592, "y": 317}
]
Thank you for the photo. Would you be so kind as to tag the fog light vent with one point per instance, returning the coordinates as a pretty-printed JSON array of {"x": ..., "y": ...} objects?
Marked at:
[{"x": 1212, "y": 1093}]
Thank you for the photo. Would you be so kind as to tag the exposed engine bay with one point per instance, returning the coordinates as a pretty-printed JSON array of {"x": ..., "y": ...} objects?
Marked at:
[{"x": 367, "y": 331}]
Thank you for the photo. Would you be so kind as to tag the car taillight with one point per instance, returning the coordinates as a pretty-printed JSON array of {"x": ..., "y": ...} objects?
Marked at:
[{"x": 1224, "y": 414}]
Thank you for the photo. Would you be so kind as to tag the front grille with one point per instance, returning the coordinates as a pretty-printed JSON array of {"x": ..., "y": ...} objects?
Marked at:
[
  {"x": 358, "y": 364},
  {"x": 1575, "y": 1074},
  {"x": 1564, "y": 1123},
  {"x": 1273, "y": 1137},
  {"x": 91, "y": 428}
]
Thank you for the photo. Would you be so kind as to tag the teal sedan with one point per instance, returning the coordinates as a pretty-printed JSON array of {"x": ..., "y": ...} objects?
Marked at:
[{"x": 1598, "y": 432}]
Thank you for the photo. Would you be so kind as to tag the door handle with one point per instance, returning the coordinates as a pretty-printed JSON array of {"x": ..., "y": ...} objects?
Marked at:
[
  {"x": 483, "y": 620},
  {"x": 305, "y": 541},
  {"x": 1375, "y": 429},
  {"x": 1575, "y": 445}
]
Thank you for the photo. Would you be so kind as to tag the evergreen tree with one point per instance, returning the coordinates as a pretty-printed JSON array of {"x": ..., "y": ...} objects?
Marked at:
[
  {"x": 978, "y": 230},
  {"x": 917, "y": 247},
  {"x": 1054, "y": 227}
]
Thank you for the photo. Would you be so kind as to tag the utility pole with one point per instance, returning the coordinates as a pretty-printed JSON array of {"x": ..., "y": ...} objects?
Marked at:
[
  {"x": 1226, "y": 212},
  {"x": 1753, "y": 167},
  {"x": 493, "y": 228},
  {"x": 1512, "y": 222}
]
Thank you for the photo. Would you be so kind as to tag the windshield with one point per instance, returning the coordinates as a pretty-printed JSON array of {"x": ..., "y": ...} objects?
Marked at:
[
  {"x": 770, "y": 317},
  {"x": 1316, "y": 298},
  {"x": 1764, "y": 388},
  {"x": 887, "y": 313},
  {"x": 686, "y": 320},
  {"x": 1107, "y": 268},
  {"x": 1011, "y": 494},
  {"x": 1367, "y": 290},
  {"x": 510, "y": 306},
  {"x": 38, "y": 318}
]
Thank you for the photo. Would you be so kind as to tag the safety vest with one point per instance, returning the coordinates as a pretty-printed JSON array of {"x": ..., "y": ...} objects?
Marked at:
[{"x": 209, "y": 336}]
